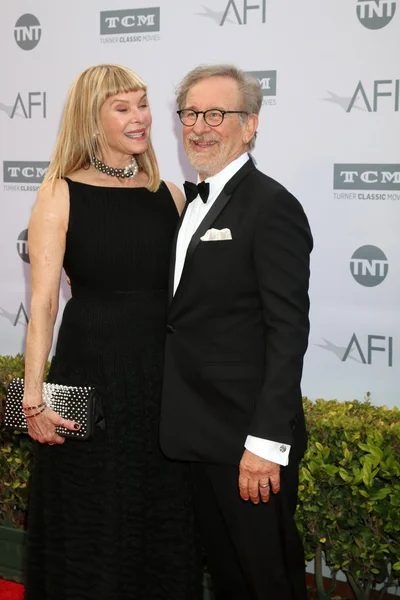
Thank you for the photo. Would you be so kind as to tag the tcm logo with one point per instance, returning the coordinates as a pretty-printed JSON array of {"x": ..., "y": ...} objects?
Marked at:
[
  {"x": 375, "y": 14},
  {"x": 29, "y": 105},
  {"x": 22, "y": 246},
  {"x": 27, "y": 32},
  {"x": 239, "y": 11},
  {"x": 361, "y": 350},
  {"x": 369, "y": 266},
  {"x": 24, "y": 171},
  {"x": 366, "y": 177},
  {"x": 267, "y": 81},
  {"x": 135, "y": 20}
]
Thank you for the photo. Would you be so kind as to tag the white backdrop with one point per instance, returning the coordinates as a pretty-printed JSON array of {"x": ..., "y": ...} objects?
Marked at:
[{"x": 329, "y": 131}]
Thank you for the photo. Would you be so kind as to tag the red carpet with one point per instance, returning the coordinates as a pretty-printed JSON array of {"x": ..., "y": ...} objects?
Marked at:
[{"x": 10, "y": 590}]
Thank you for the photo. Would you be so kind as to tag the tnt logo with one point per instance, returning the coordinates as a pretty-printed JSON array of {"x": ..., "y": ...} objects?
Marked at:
[
  {"x": 22, "y": 246},
  {"x": 27, "y": 32},
  {"x": 375, "y": 14},
  {"x": 369, "y": 266}
]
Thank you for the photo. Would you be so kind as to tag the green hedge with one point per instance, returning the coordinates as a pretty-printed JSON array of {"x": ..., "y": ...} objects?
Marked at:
[
  {"x": 349, "y": 493},
  {"x": 15, "y": 454}
]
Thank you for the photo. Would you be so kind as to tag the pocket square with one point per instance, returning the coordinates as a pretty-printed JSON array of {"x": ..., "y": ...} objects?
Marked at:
[{"x": 216, "y": 235}]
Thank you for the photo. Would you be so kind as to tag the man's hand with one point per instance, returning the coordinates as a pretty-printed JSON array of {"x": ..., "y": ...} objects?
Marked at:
[{"x": 257, "y": 477}]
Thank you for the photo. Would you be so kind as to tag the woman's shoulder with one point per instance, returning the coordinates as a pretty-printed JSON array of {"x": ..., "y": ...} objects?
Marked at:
[
  {"x": 52, "y": 202},
  {"x": 177, "y": 195},
  {"x": 56, "y": 190}
]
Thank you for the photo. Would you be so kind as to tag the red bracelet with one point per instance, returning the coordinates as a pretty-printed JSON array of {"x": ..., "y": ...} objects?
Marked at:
[
  {"x": 36, "y": 414},
  {"x": 27, "y": 408}
]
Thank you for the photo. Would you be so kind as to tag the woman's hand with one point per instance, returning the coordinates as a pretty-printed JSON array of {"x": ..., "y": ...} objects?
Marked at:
[{"x": 42, "y": 425}]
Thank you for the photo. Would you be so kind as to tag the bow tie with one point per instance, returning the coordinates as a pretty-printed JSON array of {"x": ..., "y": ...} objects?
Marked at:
[{"x": 192, "y": 190}]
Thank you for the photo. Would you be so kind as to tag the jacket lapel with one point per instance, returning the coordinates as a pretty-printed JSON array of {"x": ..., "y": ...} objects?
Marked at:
[
  {"x": 217, "y": 207},
  {"x": 205, "y": 224},
  {"x": 172, "y": 261}
]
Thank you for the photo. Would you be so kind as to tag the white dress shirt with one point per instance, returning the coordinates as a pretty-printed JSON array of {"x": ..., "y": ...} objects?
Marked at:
[{"x": 195, "y": 213}]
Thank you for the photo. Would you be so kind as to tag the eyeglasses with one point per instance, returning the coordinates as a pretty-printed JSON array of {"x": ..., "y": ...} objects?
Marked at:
[{"x": 212, "y": 117}]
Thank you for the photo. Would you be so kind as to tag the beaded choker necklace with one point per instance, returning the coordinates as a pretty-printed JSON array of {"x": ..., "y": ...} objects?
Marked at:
[{"x": 130, "y": 171}]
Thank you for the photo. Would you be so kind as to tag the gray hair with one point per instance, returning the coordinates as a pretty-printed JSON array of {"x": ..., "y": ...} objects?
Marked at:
[{"x": 249, "y": 87}]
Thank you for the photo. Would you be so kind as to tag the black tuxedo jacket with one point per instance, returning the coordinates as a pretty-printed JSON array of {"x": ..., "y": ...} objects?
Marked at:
[{"x": 238, "y": 327}]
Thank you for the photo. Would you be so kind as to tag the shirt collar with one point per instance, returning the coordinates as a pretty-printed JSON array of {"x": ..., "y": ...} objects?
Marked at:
[{"x": 217, "y": 182}]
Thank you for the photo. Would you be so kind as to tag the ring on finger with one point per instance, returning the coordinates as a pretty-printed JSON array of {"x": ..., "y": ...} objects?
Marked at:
[{"x": 264, "y": 486}]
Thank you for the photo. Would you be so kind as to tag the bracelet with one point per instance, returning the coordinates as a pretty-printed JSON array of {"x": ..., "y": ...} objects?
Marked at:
[
  {"x": 36, "y": 414},
  {"x": 28, "y": 408}
]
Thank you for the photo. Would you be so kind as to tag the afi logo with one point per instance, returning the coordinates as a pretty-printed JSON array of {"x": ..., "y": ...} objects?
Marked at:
[
  {"x": 375, "y": 14},
  {"x": 134, "y": 20},
  {"x": 364, "y": 352},
  {"x": 21, "y": 318},
  {"x": 27, "y": 32},
  {"x": 389, "y": 88},
  {"x": 240, "y": 9},
  {"x": 367, "y": 177},
  {"x": 34, "y": 101},
  {"x": 369, "y": 266},
  {"x": 366, "y": 355}
]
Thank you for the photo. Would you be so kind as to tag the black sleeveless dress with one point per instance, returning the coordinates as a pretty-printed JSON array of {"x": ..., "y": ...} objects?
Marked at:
[{"x": 111, "y": 518}]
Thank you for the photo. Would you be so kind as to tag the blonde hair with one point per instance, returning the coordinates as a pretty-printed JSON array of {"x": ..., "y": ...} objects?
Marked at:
[
  {"x": 81, "y": 126},
  {"x": 249, "y": 87}
]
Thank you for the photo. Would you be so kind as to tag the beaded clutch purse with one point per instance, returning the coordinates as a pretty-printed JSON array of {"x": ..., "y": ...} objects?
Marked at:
[{"x": 71, "y": 402}]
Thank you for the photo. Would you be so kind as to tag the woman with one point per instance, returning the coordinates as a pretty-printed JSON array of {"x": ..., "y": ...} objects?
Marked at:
[{"x": 110, "y": 518}]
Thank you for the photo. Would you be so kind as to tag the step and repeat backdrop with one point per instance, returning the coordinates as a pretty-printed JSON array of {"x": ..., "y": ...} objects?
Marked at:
[{"x": 329, "y": 131}]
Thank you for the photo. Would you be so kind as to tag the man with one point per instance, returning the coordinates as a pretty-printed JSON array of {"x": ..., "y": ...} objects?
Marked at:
[{"x": 237, "y": 334}]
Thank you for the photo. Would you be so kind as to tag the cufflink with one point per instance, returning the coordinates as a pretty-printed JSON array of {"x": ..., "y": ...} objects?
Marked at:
[{"x": 282, "y": 448}]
